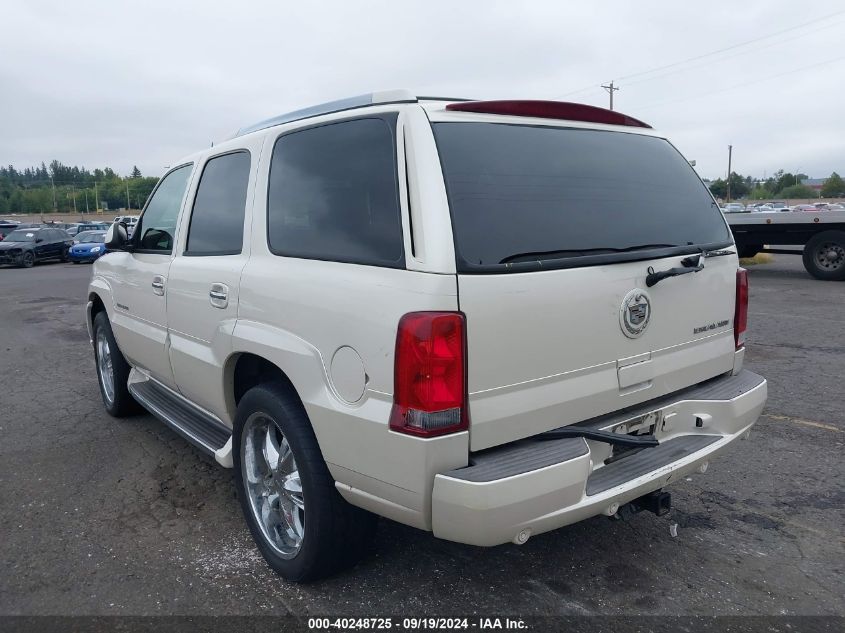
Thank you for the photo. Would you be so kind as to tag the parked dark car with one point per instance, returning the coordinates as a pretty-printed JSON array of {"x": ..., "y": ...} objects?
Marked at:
[{"x": 24, "y": 247}]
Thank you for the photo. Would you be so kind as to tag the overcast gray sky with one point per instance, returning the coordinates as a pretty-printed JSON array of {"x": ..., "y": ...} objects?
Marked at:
[{"x": 116, "y": 83}]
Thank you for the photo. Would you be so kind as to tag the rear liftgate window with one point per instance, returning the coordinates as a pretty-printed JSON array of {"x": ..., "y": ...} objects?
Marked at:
[{"x": 531, "y": 197}]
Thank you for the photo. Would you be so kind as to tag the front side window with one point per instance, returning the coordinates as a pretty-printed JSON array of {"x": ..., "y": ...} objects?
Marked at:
[
  {"x": 217, "y": 219},
  {"x": 334, "y": 195},
  {"x": 157, "y": 227}
]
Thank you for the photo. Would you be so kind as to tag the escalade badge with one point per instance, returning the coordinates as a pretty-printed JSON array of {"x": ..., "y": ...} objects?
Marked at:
[{"x": 635, "y": 313}]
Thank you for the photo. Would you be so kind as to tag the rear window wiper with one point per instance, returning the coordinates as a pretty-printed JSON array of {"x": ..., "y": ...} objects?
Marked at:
[
  {"x": 691, "y": 264},
  {"x": 653, "y": 277},
  {"x": 538, "y": 255},
  {"x": 694, "y": 260}
]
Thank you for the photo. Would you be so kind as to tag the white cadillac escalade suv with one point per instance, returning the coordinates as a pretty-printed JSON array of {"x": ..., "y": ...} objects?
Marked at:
[{"x": 485, "y": 319}]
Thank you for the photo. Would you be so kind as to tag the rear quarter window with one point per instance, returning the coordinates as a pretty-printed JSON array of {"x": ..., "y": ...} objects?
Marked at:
[{"x": 334, "y": 195}]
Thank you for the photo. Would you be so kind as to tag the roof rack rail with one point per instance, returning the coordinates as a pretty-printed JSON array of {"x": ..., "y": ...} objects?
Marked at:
[
  {"x": 421, "y": 98},
  {"x": 350, "y": 103}
]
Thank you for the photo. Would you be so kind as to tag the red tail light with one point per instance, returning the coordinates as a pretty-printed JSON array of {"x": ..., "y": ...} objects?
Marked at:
[
  {"x": 741, "y": 309},
  {"x": 429, "y": 391}
]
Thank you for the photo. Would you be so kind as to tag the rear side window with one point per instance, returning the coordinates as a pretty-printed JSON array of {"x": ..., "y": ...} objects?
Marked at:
[
  {"x": 333, "y": 194},
  {"x": 535, "y": 194},
  {"x": 157, "y": 227},
  {"x": 217, "y": 219}
]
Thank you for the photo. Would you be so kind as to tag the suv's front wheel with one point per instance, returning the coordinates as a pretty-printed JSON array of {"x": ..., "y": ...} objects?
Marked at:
[
  {"x": 112, "y": 370},
  {"x": 302, "y": 526}
]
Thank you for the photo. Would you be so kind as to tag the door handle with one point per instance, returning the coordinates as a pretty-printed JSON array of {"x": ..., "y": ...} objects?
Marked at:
[
  {"x": 158, "y": 285},
  {"x": 219, "y": 295}
]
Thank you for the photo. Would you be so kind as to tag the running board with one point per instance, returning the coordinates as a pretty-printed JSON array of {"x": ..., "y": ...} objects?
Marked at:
[{"x": 199, "y": 428}]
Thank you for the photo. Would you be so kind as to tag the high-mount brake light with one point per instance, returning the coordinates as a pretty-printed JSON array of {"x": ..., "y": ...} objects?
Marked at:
[
  {"x": 741, "y": 308},
  {"x": 549, "y": 110},
  {"x": 430, "y": 387}
]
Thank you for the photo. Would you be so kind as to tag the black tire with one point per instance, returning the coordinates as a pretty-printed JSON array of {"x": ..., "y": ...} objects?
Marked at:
[
  {"x": 824, "y": 256},
  {"x": 75, "y": 262},
  {"x": 336, "y": 534},
  {"x": 27, "y": 259},
  {"x": 65, "y": 251},
  {"x": 121, "y": 404}
]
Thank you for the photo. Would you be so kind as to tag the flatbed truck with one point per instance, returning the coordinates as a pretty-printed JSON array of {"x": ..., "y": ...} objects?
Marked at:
[{"x": 821, "y": 235}]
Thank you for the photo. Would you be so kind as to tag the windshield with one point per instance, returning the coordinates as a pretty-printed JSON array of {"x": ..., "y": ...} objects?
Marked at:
[
  {"x": 526, "y": 193},
  {"x": 20, "y": 236},
  {"x": 91, "y": 236}
]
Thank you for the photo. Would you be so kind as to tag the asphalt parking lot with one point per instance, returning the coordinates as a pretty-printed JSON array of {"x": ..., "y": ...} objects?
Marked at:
[{"x": 105, "y": 516}]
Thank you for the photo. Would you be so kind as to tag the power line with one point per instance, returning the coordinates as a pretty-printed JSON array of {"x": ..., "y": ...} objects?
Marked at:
[
  {"x": 748, "y": 52},
  {"x": 743, "y": 84},
  {"x": 734, "y": 46},
  {"x": 716, "y": 52}
]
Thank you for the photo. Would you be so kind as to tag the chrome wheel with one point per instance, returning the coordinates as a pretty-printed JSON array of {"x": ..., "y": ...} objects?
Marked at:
[
  {"x": 830, "y": 256},
  {"x": 104, "y": 365},
  {"x": 272, "y": 484}
]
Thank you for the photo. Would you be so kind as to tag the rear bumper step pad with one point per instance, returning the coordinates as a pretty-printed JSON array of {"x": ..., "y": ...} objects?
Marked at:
[
  {"x": 517, "y": 458},
  {"x": 646, "y": 461}
]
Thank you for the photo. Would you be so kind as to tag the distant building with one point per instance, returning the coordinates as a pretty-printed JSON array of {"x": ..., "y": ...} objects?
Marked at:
[{"x": 813, "y": 183}]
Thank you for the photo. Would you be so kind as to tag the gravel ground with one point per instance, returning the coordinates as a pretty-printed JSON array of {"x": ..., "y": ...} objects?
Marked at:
[{"x": 122, "y": 517}]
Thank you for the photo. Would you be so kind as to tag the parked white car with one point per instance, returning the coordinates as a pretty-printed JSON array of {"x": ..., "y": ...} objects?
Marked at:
[{"x": 470, "y": 317}]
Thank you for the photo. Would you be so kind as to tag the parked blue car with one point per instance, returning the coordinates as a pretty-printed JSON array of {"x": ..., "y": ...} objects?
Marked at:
[{"x": 87, "y": 246}]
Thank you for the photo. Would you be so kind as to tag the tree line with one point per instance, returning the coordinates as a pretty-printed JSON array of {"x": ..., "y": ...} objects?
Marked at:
[
  {"x": 64, "y": 189},
  {"x": 780, "y": 185}
]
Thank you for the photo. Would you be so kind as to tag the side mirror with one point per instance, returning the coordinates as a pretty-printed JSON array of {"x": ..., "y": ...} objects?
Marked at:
[{"x": 117, "y": 238}]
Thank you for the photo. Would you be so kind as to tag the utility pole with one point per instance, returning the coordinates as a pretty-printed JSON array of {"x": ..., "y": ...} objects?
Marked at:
[
  {"x": 53, "y": 184},
  {"x": 86, "y": 201},
  {"x": 96, "y": 199},
  {"x": 610, "y": 89},
  {"x": 730, "y": 149},
  {"x": 128, "y": 204},
  {"x": 73, "y": 194}
]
